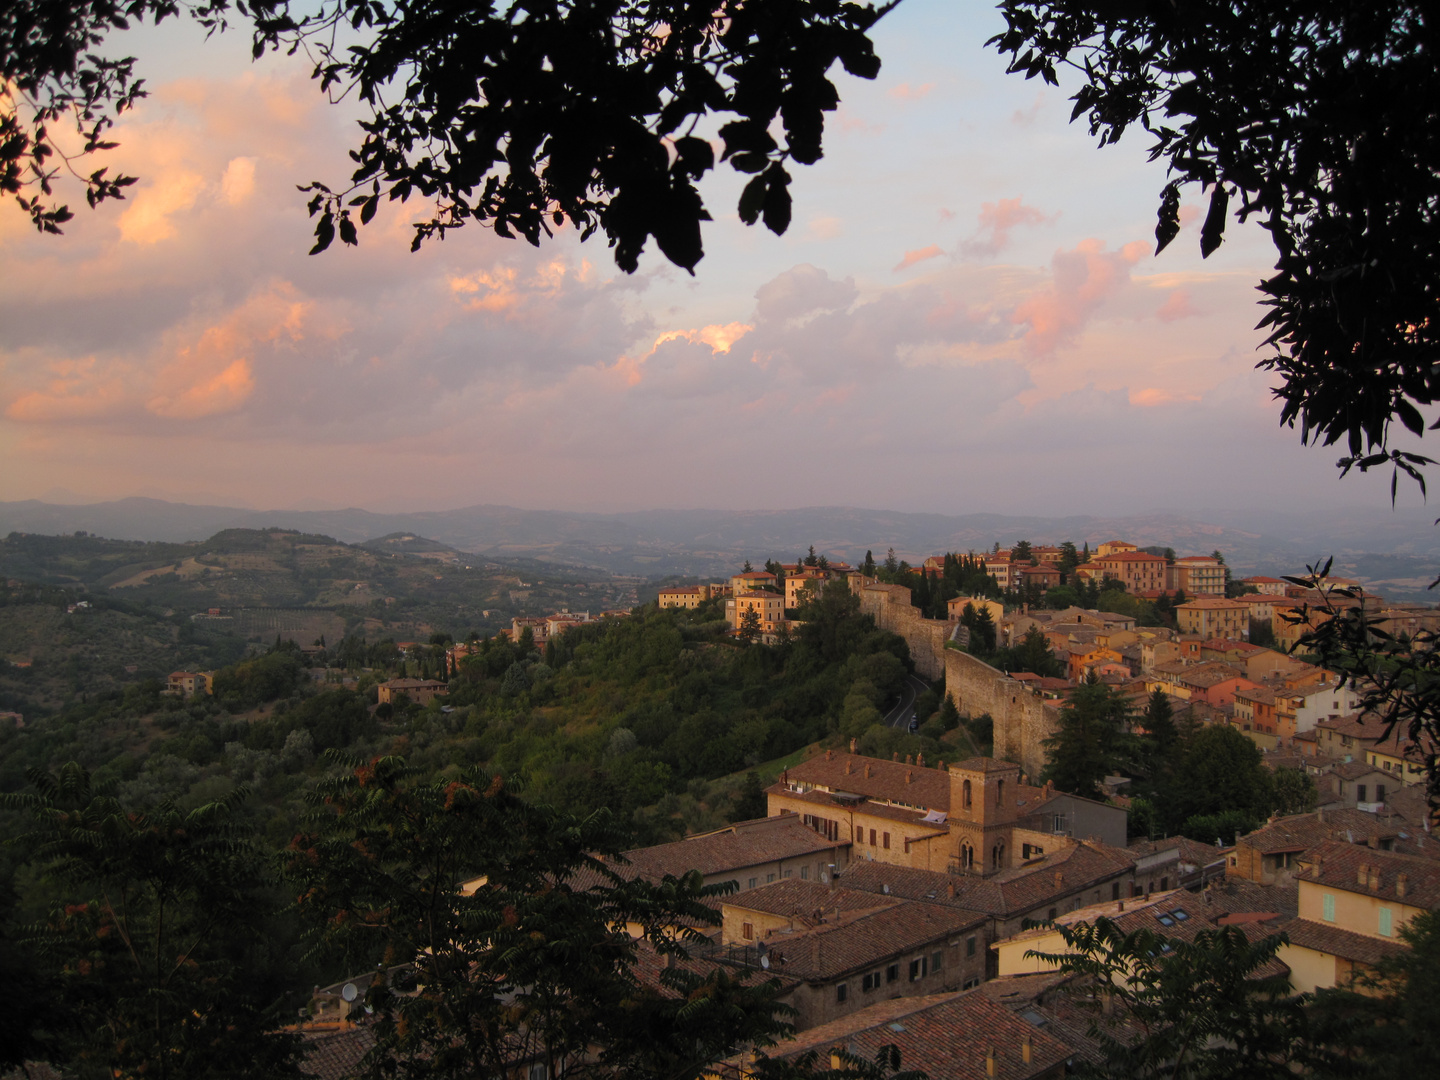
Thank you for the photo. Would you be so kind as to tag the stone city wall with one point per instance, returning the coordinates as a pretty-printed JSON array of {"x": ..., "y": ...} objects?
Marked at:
[
  {"x": 890, "y": 607},
  {"x": 1022, "y": 718}
]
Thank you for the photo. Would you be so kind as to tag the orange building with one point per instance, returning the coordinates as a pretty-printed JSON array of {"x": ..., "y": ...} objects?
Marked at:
[
  {"x": 1214, "y": 617},
  {"x": 1138, "y": 571}
]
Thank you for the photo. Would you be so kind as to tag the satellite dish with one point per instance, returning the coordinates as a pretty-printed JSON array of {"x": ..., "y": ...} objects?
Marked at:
[
  {"x": 349, "y": 991},
  {"x": 765, "y": 962}
]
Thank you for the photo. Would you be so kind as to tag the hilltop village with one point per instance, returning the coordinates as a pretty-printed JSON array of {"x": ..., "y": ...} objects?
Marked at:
[{"x": 900, "y": 900}]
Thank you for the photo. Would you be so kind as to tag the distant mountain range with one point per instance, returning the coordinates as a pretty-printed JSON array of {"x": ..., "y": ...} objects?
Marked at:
[{"x": 1399, "y": 550}]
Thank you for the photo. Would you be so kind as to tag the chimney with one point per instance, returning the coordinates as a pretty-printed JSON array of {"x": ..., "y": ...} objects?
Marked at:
[
  {"x": 940, "y": 765},
  {"x": 950, "y": 888},
  {"x": 895, "y": 756},
  {"x": 909, "y": 775},
  {"x": 1025, "y": 1048},
  {"x": 990, "y": 1063},
  {"x": 1375, "y": 877},
  {"x": 1362, "y": 874},
  {"x": 1059, "y": 878},
  {"x": 829, "y": 755},
  {"x": 909, "y": 760},
  {"x": 847, "y": 768},
  {"x": 920, "y": 760},
  {"x": 853, "y": 744},
  {"x": 1401, "y": 881},
  {"x": 867, "y": 772}
]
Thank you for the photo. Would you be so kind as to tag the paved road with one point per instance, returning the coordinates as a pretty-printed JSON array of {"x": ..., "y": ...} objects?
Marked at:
[{"x": 899, "y": 716}]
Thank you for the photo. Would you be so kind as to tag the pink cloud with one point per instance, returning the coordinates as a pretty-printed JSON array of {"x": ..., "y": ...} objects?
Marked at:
[
  {"x": 906, "y": 92},
  {"x": 919, "y": 255},
  {"x": 1176, "y": 306},
  {"x": 1082, "y": 280},
  {"x": 1026, "y": 117},
  {"x": 946, "y": 215},
  {"x": 999, "y": 219},
  {"x": 1153, "y": 396}
]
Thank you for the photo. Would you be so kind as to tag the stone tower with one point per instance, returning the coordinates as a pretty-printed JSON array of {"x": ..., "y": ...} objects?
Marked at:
[{"x": 982, "y": 814}]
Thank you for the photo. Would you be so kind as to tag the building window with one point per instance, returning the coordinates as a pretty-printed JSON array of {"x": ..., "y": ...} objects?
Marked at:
[
  {"x": 804, "y": 873},
  {"x": 917, "y": 969},
  {"x": 870, "y": 982},
  {"x": 1164, "y": 883},
  {"x": 892, "y": 973},
  {"x": 937, "y": 960},
  {"x": 1385, "y": 928},
  {"x": 1328, "y": 903},
  {"x": 970, "y": 984},
  {"x": 753, "y": 882},
  {"x": 747, "y": 931},
  {"x": 538, "y": 1071},
  {"x": 1360, "y": 793},
  {"x": 1051, "y": 916},
  {"x": 965, "y": 794},
  {"x": 785, "y": 873},
  {"x": 1114, "y": 890},
  {"x": 886, "y": 838},
  {"x": 872, "y": 837},
  {"x": 1380, "y": 791},
  {"x": 769, "y": 878},
  {"x": 970, "y": 945},
  {"x": 842, "y": 992}
]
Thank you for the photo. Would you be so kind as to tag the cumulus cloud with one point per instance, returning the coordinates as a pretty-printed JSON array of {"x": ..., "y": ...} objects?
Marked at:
[
  {"x": 1082, "y": 280},
  {"x": 996, "y": 221},
  {"x": 1177, "y": 306},
  {"x": 919, "y": 255},
  {"x": 800, "y": 291},
  {"x": 906, "y": 92},
  {"x": 184, "y": 338}
]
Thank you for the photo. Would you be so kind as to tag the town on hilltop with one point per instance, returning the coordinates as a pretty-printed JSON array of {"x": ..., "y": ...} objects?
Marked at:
[{"x": 905, "y": 901}]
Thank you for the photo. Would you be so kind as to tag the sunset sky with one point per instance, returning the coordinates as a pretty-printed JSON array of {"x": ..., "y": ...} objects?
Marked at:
[{"x": 966, "y": 315}]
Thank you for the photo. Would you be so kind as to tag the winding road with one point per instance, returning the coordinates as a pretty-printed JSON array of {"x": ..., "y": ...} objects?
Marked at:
[{"x": 899, "y": 716}]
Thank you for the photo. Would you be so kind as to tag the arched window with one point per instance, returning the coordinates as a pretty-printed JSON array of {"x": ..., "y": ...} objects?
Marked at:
[
  {"x": 965, "y": 794},
  {"x": 967, "y": 856}
]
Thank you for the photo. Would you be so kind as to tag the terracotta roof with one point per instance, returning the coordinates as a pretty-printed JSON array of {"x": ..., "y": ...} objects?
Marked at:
[
  {"x": 1367, "y": 728},
  {"x": 1301, "y": 832},
  {"x": 336, "y": 1055},
  {"x": 792, "y": 896},
  {"x": 1189, "y": 851},
  {"x": 1356, "y": 869},
  {"x": 892, "y": 781},
  {"x": 1236, "y": 894},
  {"x": 1262, "y": 694},
  {"x": 1351, "y": 770},
  {"x": 1208, "y": 603},
  {"x": 1346, "y": 944},
  {"x": 412, "y": 684},
  {"x": 946, "y": 1035},
  {"x": 1129, "y": 556},
  {"x": 1020, "y": 889},
  {"x": 865, "y": 938},
  {"x": 745, "y": 843}
]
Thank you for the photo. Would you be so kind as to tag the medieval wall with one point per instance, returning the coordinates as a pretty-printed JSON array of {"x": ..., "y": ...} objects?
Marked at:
[
  {"x": 1022, "y": 718},
  {"x": 889, "y": 606}
]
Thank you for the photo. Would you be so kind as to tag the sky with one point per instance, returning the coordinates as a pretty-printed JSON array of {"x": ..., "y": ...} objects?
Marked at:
[{"x": 966, "y": 315}]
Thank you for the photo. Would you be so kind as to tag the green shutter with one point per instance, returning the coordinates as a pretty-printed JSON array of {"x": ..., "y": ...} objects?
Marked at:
[
  {"x": 1329, "y": 908},
  {"x": 1384, "y": 922}
]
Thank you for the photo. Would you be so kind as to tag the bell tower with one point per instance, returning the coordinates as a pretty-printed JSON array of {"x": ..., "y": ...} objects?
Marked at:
[{"x": 983, "y": 810}]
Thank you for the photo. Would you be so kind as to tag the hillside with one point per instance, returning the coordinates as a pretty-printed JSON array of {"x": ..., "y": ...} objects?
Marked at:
[
  {"x": 713, "y": 541},
  {"x": 148, "y": 608}
]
